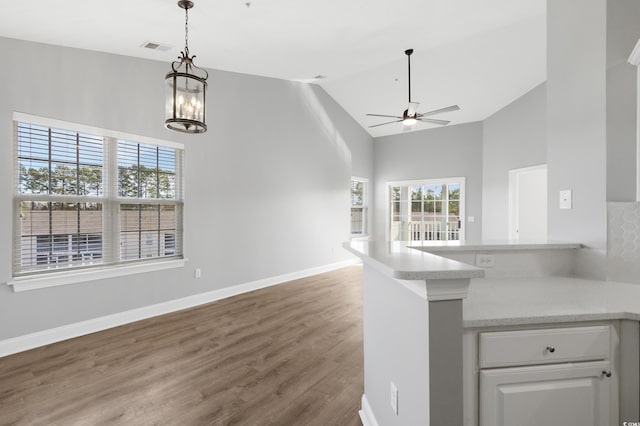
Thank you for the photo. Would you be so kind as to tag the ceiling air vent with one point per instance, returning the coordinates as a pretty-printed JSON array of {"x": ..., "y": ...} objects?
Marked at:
[{"x": 155, "y": 46}]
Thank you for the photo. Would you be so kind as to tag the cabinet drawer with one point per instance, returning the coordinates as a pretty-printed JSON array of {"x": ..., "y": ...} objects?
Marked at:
[{"x": 543, "y": 346}]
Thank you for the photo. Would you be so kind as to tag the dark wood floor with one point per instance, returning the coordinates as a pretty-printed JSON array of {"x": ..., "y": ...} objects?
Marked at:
[{"x": 285, "y": 355}]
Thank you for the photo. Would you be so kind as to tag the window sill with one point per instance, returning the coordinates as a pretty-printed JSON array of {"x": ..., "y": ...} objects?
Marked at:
[{"x": 73, "y": 277}]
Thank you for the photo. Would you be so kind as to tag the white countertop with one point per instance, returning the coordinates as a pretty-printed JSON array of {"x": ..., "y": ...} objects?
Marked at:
[
  {"x": 396, "y": 260},
  {"x": 496, "y": 302},
  {"x": 497, "y": 245},
  {"x": 505, "y": 301}
]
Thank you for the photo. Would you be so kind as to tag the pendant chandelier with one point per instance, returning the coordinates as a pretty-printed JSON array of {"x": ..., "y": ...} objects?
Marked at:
[{"x": 186, "y": 87}]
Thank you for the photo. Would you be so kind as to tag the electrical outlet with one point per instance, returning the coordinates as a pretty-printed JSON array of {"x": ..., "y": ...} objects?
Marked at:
[
  {"x": 197, "y": 273},
  {"x": 394, "y": 398},
  {"x": 485, "y": 260}
]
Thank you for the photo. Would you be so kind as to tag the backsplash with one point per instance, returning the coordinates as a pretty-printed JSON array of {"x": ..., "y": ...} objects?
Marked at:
[
  {"x": 623, "y": 242},
  {"x": 520, "y": 263}
]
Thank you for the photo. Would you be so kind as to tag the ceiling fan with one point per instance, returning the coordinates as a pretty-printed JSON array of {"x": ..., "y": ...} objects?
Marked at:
[{"x": 411, "y": 116}]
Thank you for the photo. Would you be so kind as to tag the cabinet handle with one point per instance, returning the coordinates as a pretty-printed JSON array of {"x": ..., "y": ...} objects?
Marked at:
[
  {"x": 551, "y": 349},
  {"x": 606, "y": 373}
]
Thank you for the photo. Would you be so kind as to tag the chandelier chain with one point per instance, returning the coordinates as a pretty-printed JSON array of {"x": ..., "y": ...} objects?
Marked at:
[{"x": 186, "y": 30}]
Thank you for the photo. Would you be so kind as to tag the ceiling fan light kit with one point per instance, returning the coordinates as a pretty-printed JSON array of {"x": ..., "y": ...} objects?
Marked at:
[
  {"x": 411, "y": 116},
  {"x": 408, "y": 120},
  {"x": 186, "y": 87}
]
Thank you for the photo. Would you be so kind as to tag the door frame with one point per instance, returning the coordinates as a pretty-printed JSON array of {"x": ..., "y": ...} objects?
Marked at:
[{"x": 514, "y": 196}]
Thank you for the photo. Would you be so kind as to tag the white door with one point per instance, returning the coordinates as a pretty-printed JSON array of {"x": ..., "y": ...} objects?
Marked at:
[
  {"x": 528, "y": 203},
  {"x": 573, "y": 394}
]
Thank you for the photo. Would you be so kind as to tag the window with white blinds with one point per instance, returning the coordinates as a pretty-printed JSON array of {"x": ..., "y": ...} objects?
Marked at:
[{"x": 86, "y": 198}]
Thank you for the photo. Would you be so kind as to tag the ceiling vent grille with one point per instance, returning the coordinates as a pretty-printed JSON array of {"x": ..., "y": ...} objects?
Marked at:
[{"x": 155, "y": 46}]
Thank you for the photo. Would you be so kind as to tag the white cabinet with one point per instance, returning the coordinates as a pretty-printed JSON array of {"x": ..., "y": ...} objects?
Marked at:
[
  {"x": 541, "y": 376},
  {"x": 557, "y": 394}
]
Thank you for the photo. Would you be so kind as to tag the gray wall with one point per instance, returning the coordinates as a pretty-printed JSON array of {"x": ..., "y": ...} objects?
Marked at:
[
  {"x": 391, "y": 355},
  {"x": 576, "y": 119},
  {"x": 514, "y": 137},
  {"x": 267, "y": 187},
  {"x": 450, "y": 151},
  {"x": 623, "y": 32},
  {"x": 590, "y": 119}
]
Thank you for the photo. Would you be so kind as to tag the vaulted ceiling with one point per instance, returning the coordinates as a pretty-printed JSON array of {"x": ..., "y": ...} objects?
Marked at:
[{"x": 480, "y": 55}]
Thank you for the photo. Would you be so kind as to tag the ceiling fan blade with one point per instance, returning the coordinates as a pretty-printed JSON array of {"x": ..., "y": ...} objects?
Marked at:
[
  {"x": 434, "y": 121},
  {"x": 439, "y": 111},
  {"x": 380, "y": 115},
  {"x": 388, "y": 122},
  {"x": 413, "y": 108}
]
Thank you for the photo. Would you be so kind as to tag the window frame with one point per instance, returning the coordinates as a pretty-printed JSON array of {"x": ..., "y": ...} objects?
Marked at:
[
  {"x": 459, "y": 180},
  {"x": 364, "y": 207},
  {"x": 110, "y": 226}
]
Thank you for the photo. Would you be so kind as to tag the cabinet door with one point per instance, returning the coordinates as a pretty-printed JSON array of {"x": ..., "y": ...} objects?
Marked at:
[{"x": 559, "y": 394}]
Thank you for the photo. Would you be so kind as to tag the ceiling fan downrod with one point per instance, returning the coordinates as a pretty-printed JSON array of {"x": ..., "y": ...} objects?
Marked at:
[{"x": 408, "y": 52}]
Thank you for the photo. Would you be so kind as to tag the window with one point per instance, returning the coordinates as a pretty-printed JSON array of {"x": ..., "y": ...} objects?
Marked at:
[
  {"x": 428, "y": 210},
  {"x": 88, "y": 197},
  {"x": 359, "y": 222}
]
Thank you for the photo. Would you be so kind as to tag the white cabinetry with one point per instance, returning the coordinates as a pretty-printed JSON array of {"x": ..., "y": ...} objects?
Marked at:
[
  {"x": 557, "y": 394},
  {"x": 550, "y": 376}
]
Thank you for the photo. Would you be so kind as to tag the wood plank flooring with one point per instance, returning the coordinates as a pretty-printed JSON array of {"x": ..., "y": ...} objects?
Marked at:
[{"x": 285, "y": 355}]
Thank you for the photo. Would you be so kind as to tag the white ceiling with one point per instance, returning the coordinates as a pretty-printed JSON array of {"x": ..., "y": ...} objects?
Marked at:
[{"x": 480, "y": 55}]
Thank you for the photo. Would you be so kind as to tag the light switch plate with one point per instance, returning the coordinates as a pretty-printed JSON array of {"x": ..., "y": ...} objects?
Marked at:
[{"x": 565, "y": 199}]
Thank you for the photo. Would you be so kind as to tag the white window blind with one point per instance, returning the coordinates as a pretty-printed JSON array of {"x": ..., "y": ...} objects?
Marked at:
[{"x": 85, "y": 199}]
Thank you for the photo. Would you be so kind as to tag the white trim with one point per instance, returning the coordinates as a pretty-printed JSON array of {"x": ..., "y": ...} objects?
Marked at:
[
  {"x": 363, "y": 179},
  {"x": 430, "y": 181},
  {"x": 438, "y": 290},
  {"x": 512, "y": 211},
  {"x": 33, "y": 282},
  {"x": 46, "y": 337},
  {"x": 634, "y": 58},
  {"x": 98, "y": 131},
  {"x": 364, "y": 206},
  {"x": 366, "y": 414},
  {"x": 418, "y": 287},
  {"x": 513, "y": 198}
]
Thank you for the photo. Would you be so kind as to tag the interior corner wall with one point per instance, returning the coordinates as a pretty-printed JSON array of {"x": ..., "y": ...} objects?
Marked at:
[
  {"x": 267, "y": 187},
  {"x": 623, "y": 32},
  {"x": 514, "y": 137},
  {"x": 576, "y": 122},
  {"x": 590, "y": 118},
  {"x": 451, "y": 151}
]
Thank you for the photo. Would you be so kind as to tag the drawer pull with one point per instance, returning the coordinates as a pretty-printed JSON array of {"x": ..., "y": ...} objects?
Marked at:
[
  {"x": 606, "y": 373},
  {"x": 551, "y": 349}
]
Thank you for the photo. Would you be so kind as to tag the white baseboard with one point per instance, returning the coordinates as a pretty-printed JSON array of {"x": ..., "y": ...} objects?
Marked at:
[
  {"x": 53, "y": 335},
  {"x": 366, "y": 415}
]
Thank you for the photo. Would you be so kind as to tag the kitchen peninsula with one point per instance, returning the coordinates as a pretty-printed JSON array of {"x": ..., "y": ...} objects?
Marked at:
[
  {"x": 412, "y": 334},
  {"x": 427, "y": 317}
]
